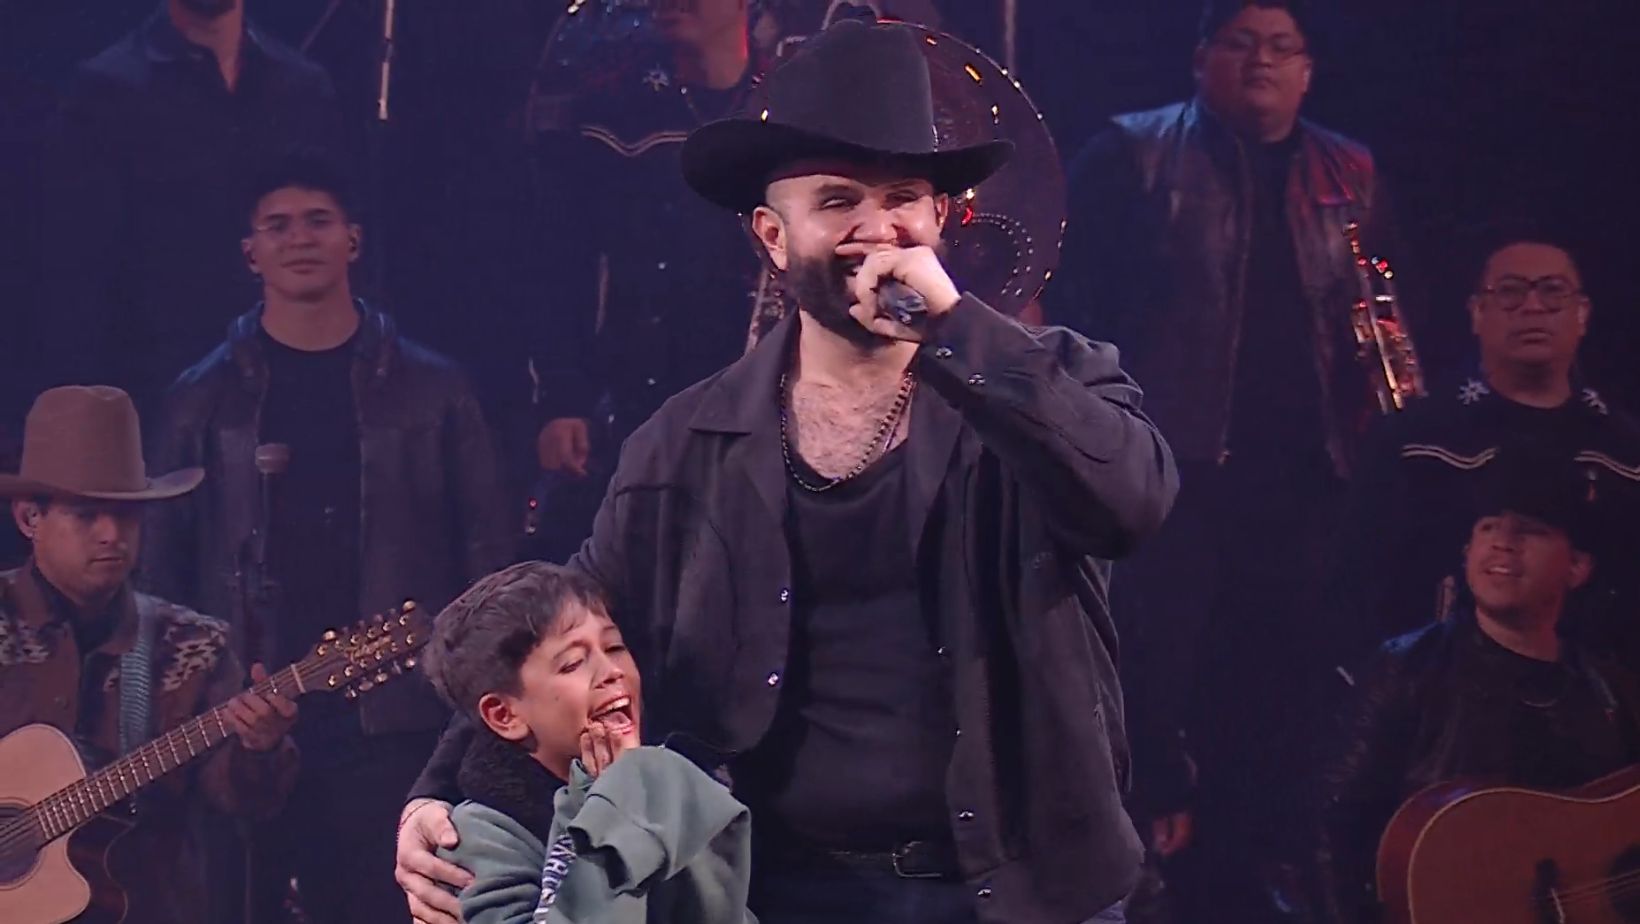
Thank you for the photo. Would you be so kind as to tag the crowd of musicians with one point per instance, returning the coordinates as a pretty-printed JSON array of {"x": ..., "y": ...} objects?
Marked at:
[{"x": 1153, "y": 603}]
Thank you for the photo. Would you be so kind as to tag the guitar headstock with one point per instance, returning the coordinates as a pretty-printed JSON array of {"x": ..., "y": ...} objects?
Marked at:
[{"x": 369, "y": 653}]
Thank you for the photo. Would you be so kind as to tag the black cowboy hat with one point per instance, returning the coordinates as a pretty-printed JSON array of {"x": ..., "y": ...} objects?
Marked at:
[
  {"x": 1539, "y": 482},
  {"x": 856, "y": 92}
]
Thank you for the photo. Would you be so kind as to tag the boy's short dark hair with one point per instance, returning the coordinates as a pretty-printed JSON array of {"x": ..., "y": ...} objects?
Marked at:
[
  {"x": 302, "y": 168},
  {"x": 1215, "y": 13},
  {"x": 484, "y": 636}
]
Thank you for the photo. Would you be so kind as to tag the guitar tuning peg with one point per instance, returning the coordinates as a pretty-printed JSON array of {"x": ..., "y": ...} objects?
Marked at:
[
  {"x": 409, "y": 663},
  {"x": 364, "y": 686},
  {"x": 330, "y": 635},
  {"x": 372, "y": 633},
  {"x": 404, "y": 620},
  {"x": 351, "y": 693},
  {"x": 381, "y": 676},
  {"x": 409, "y": 606},
  {"x": 398, "y": 669}
]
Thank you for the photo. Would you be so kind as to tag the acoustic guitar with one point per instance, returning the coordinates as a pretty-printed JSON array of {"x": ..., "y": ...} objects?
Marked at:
[
  {"x": 58, "y": 825},
  {"x": 1464, "y": 854}
]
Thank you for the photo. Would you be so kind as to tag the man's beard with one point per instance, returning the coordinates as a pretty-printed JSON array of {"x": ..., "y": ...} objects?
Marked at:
[
  {"x": 821, "y": 287},
  {"x": 211, "y": 8}
]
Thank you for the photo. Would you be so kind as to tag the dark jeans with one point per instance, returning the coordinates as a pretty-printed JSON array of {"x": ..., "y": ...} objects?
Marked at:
[
  {"x": 1231, "y": 641},
  {"x": 846, "y": 896},
  {"x": 336, "y": 835}
]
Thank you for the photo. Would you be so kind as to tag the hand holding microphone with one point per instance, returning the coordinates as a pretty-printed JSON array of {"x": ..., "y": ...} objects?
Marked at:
[
  {"x": 898, "y": 290},
  {"x": 900, "y": 302}
]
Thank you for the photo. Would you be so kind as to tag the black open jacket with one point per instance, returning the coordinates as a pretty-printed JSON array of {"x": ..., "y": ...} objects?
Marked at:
[{"x": 432, "y": 513}]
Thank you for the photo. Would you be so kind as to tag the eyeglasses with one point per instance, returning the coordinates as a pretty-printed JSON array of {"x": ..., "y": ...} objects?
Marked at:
[
  {"x": 280, "y": 226},
  {"x": 1283, "y": 47},
  {"x": 1555, "y": 291}
]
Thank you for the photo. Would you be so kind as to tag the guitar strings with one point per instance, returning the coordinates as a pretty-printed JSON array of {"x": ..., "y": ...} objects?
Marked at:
[
  {"x": 1627, "y": 882},
  {"x": 17, "y": 832},
  {"x": 1600, "y": 888}
]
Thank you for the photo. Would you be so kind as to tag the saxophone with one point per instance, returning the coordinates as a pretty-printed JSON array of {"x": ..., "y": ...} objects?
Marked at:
[{"x": 1383, "y": 343}]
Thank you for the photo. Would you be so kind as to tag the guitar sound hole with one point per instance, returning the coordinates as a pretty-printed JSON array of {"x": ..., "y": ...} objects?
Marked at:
[
  {"x": 17, "y": 852},
  {"x": 1626, "y": 901}
]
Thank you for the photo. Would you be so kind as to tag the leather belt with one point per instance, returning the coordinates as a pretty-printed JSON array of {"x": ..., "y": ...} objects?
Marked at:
[{"x": 910, "y": 860}]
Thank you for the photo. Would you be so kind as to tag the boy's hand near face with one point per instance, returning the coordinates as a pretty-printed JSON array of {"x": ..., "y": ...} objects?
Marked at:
[{"x": 600, "y": 746}]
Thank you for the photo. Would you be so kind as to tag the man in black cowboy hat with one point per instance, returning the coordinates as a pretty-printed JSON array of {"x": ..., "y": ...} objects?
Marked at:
[
  {"x": 1496, "y": 692},
  {"x": 866, "y": 564},
  {"x": 71, "y": 627}
]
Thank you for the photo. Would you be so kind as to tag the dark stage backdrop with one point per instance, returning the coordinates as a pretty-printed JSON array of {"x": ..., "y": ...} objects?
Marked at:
[{"x": 1510, "y": 109}]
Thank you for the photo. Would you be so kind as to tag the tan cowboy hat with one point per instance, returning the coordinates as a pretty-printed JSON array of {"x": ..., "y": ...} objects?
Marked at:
[{"x": 85, "y": 441}]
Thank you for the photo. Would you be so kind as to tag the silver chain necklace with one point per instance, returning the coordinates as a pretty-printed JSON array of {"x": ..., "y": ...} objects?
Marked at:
[{"x": 874, "y": 450}]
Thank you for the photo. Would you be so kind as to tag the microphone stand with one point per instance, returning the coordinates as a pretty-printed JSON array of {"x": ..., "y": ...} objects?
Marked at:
[
  {"x": 378, "y": 142},
  {"x": 258, "y": 601}
]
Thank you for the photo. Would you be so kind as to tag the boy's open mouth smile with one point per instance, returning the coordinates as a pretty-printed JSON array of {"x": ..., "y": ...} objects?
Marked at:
[{"x": 616, "y": 713}]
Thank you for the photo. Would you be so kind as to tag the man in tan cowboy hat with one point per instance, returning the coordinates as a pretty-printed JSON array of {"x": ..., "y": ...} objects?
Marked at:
[
  {"x": 69, "y": 623},
  {"x": 866, "y": 564}
]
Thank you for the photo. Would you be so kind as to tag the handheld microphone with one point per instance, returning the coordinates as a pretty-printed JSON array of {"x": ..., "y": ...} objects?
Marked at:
[{"x": 900, "y": 302}]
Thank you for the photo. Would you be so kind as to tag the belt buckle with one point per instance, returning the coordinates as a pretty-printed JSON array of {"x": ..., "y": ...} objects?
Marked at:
[{"x": 900, "y": 853}]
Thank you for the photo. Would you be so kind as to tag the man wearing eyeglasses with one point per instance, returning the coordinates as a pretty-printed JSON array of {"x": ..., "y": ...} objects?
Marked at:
[
  {"x": 391, "y": 492},
  {"x": 1210, "y": 234},
  {"x": 1529, "y": 313}
]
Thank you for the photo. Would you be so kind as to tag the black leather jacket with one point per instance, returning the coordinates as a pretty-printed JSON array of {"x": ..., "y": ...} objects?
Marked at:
[
  {"x": 433, "y": 515},
  {"x": 1448, "y": 703},
  {"x": 1159, "y": 239}
]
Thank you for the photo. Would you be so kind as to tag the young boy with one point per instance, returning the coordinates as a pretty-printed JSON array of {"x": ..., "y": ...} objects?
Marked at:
[{"x": 569, "y": 818}]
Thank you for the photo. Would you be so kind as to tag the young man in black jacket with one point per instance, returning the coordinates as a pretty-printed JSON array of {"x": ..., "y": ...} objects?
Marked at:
[
  {"x": 157, "y": 138},
  {"x": 1498, "y": 692},
  {"x": 867, "y": 563},
  {"x": 390, "y": 492}
]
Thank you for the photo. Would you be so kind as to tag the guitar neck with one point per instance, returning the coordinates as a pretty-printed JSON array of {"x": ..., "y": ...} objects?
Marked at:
[{"x": 79, "y": 802}]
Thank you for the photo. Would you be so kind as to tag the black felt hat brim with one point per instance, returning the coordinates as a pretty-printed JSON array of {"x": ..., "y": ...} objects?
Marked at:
[
  {"x": 729, "y": 162},
  {"x": 1542, "y": 484}
]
